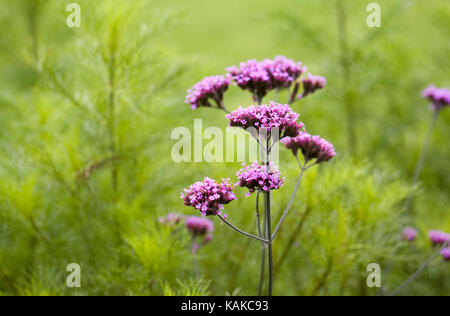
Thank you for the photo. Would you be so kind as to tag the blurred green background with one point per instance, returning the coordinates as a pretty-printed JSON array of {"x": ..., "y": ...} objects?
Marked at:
[{"x": 85, "y": 167}]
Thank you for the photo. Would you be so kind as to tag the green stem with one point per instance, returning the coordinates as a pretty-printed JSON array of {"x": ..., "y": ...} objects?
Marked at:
[
  {"x": 421, "y": 160},
  {"x": 269, "y": 225},
  {"x": 241, "y": 231},
  {"x": 263, "y": 247},
  {"x": 345, "y": 63},
  {"x": 112, "y": 103},
  {"x": 288, "y": 207},
  {"x": 419, "y": 271}
]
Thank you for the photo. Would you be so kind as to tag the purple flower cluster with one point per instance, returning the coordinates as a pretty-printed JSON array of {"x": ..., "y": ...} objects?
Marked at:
[
  {"x": 199, "y": 226},
  {"x": 261, "y": 77},
  {"x": 439, "y": 97},
  {"x": 209, "y": 196},
  {"x": 209, "y": 89},
  {"x": 409, "y": 234},
  {"x": 260, "y": 177},
  {"x": 438, "y": 237},
  {"x": 311, "y": 84},
  {"x": 171, "y": 220},
  {"x": 266, "y": 117},
  {"x": 446, "y": 253},
  {"x": 312, "y": 147}
]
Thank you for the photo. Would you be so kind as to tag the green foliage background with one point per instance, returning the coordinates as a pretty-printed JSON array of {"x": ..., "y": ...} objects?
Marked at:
[{"x": 85, "y": 168}]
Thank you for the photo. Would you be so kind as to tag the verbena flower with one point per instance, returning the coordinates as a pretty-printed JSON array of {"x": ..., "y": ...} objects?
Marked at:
[
  {"x": 210, "y": 89},
  {"x": 439, "y": 97},
  {"x": 260, "y": 177},
  {"x": 446, "y": 253},
  {"x": 199, "y": 226},
  {"x": 312, "y": 147},
  {"x": 172, "y": 219},
  {"x": 311, "y": 84},
  {"x": 409, "y": 234},
  {"x": 261, "y": 77},
  {"x": 209, "y": 196},
  {"x": 438, "y": 237},
  {"x": 267, "y": 117}
]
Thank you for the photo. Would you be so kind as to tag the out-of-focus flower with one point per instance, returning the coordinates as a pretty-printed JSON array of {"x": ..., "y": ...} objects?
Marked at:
[
  {"x": 260, "y": 177},
  {"x": 439, "y": 97},
  {"x": 209, "y": 196},
  {"x": 209, "y": 89},
  {"x": 195, "y": 247},
  {"x": 267, "y": 117},
  {"x": 311, "y": 84},
  {"x": 409, "y": 234},
  {"x": 207, "y": 239},
  {"x": 438, "y": 237},
  {"x": 261, "y": 77},
  {"x": 446, "y": 253},
  {"x": 312, "y": 147},
  {"x": 199, "y": 226},
  {"x": 171, "y": 220}
]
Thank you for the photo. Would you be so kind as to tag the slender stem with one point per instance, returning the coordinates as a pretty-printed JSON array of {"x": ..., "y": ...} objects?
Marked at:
[
  {"x": 269, "y": 234},
  {"x": 112, "y": 103},
  {"x": 291, "y": 240},
  {"x": 263, "y": 247},
  {"x": 243, "y": 232},
  {"x": 419, "y": 271},
  {"x": 269, "y": 225},
  {"x": 288, "y": 206},
  {"x": 194, "y": 258},
  {"x": 221, "y": 106},
  {"x": 345, "y": 64},
  {"x": 421, "y": 160},
  {"x": 258, "y": 216}
]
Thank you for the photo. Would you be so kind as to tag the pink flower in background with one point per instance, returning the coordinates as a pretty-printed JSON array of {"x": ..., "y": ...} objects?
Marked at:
[
  {"x": 208, "y": 90},
  {"x": 199, "y": 226},
  {"x": 312, "y": 147},
  {"x": 209, "y": 196},
  {"x": 446, "y": 253},
  {"x": 261, "y": 77},
  {"x": 256, "y": 177},
  {"x": 438, "y": 237},
  {"x": 409, "y": 234},
  {"x": 266, "y": 117},
  {"x": 439, "y": 97},
  {"x": 172, "y": 219},
  {"x": 311, "y": 84}
]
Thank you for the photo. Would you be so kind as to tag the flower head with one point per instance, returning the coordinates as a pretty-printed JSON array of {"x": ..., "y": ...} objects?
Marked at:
[
  {"x": 446, "y": 253},
  {"x": 209, "y": 196},
  {"x": 209, "y": 89},
  {"x": 199, "y": 226},
  {"x": 312, "y": 147},
  {"x": 171, "y": 220},
  {"x": 261, "y": 77},
  {"x": 267, "y": 117},
  {"x": 409, "y": 234},
  {"x": 311, "y": 84},
  {"x": 439, "y": 97},
  {"x": 260, "y": 177},
  {"x": 438, "y": 237}
]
